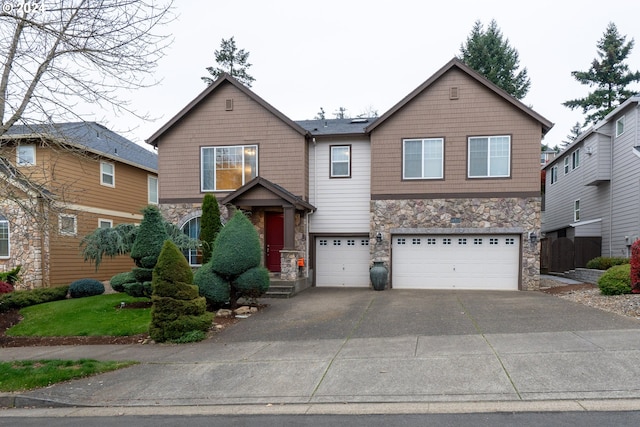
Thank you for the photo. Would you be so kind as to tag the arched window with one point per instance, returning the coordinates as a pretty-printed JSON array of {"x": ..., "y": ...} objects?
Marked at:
[
  {"x": 4, "y": 237},
  {"x": 192, "y": 229}
]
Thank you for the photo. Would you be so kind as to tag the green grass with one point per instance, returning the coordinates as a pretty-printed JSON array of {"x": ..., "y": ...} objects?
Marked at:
[
  {"x": 91, "y": 316},
  {"x": 29, "y": 374}
]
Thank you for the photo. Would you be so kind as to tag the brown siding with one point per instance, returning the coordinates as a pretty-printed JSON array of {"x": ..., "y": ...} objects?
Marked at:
[
  {"x": 281, "y": 150},
  {"x": 477, "y": 112}
]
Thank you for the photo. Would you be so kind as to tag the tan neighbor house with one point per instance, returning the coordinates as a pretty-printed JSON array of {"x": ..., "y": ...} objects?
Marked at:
[
  {"x": 77, "y": 177},
  {"x": 444, "y": 188}
]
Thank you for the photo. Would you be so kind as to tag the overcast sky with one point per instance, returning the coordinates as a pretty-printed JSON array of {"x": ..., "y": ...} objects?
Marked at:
[{"x": 370, "y": 54}]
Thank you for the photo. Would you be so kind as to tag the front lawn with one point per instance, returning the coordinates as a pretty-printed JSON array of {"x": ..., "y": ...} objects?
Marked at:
[
  {"x": 29, "y": 374},
  {"x": 99, "y": 315}
]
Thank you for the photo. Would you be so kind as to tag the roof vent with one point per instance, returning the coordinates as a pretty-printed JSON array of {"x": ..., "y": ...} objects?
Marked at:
[
  {"x": 360, "y": 120},
  {"x": 453, "y": 92},
  {"x": 228, "y": 105}
]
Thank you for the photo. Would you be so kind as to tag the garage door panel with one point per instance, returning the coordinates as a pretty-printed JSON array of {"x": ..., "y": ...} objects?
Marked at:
[
  {"x": 342, "y": 261},
  {"x": 455, "y": 262}
]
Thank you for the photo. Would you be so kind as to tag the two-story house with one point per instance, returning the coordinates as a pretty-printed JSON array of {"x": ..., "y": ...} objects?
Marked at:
[
  {"x": 444, "y": 188},
  {"x": 592, "y": 197},
  {"x": 61, "y": 182}
]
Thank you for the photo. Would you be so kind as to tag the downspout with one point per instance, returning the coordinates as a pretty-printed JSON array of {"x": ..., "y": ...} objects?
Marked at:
[
  {"x": 315, "y": 194},
  {"x": 611, "y": 138}
]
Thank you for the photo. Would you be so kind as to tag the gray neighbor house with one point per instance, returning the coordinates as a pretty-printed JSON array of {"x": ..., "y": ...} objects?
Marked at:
[{"x": 592, "y": 193}]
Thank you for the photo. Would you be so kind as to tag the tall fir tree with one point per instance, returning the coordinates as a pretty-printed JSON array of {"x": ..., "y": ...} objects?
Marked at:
[
  {"x": 609, "y": 74},
  {"x": 209, "y": 225},
  {"x": 232, "y": 61},
  {"x": 576, "y": 130},
  {"x": 490, "y": 54}
]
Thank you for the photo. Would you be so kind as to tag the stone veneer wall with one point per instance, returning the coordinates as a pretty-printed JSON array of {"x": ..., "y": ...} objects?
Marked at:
[
  {"x": 26, "y": 245},
  {"x": 476, "y": 215}
]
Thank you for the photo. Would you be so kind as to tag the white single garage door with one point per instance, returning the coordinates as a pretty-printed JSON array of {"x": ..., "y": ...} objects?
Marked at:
[
  {"x": 456, "y": 262},
  {"x": 342, "y": 261}
]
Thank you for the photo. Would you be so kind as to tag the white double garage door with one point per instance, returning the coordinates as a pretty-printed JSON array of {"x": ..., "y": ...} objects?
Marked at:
[{"x": 489, "y": 262}]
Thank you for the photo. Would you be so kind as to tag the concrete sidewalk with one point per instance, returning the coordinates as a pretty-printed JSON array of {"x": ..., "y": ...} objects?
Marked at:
[{"x": 408, "y": 350}]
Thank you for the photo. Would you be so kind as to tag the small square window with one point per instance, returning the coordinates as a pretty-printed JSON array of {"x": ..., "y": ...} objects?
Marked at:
[
  {"x": 477, "y": 241},
  {"x": 446, "y": 241},
  {"x": 493, "y": 241},
  {"x": 337, "y": 242},
  {"x": 351, "y": 242},
  {"x": 510, "y": 241},
  {"x": 67, "y": 225},
  {"x": 401, "y": 241},
  {"x": 323, "y": 242},
  {"x": 431, "y": 241},
  {"x": 105, "y": 223},
  {"x": 364, "y": 242},
  {"x": 462, "y": 241},
  {"x": 415, "y": 241},
  {"x": 26, "y": 155}
]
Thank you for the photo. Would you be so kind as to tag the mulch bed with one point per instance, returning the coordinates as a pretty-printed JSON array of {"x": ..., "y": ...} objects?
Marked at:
[{"x": 568, "y": 288}]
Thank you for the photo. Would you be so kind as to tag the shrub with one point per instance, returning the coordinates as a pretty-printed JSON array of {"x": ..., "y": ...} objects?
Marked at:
[
  {"x": 635, "y": 267},
  {"x": 21, "y": 299},
  {"x": 605, "y": 263},
  {"x": 178, "y": 313},
  {"x": 211, "y": 286},
  {"x": 118, "y": 281},
  {"x": 11, "y": 276},
  {"x": 209, "y": 225},
  {"x": 151, "y": 235},
  {"x": 5, "y": 287},
  {"x": 85, "y": 288},
  {"x": 252, "y": 283},
  {"x": 616, "y": 280}
]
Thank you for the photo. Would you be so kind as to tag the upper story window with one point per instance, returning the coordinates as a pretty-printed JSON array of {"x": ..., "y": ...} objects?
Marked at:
[
  {"x": 489, "y": 157},
  {"x": 554, "y": 174},
  {"x": 228, "y": 168},
  {"x": 619, "y": 126},
  {"x": 26, "y": 155},
  {"x": 4, "y": 237},
  {"x": 575, "y": 159},
  {"x": 152, "y": 182},
  {"x": 67, "y": 225},
  {"x": 566, "y": 165},
  {"x": 576, "y": 210},
  {"x": 423, "y": 158},
  {"x": 107, "y": 174},
  {"x": 340, "y": 161}
]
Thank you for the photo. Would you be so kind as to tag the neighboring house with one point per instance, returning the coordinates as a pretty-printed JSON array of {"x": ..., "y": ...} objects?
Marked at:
[
  {"x": 61, "y": 182},
  {"x": 592, "y": 197},
  {"x": 444, "y": 188}
]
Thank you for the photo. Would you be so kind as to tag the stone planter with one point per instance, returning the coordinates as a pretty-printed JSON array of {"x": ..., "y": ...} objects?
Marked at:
[{"x": 378, "y": 274}]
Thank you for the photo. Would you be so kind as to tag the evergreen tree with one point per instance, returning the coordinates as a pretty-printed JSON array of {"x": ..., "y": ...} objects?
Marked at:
[
  {"x": 232, "y": 61},
  {"x": 576, "y": 130},
  {"x": 209, "y": 225},
  {"x": 492, "y": 56},
  {"x": 610, "y": 75}
]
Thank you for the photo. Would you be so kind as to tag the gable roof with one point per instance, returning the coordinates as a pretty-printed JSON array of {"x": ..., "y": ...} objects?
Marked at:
[
  {"x": 223, "y": 79},
  {"x": 456, "y": 63},
  {"x": 92, "y": 137},
  {"x": 275, "y": 189}
]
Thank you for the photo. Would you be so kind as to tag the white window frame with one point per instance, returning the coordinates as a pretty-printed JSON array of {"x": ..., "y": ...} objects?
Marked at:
[
  {"x": 619, "y": 126},
  {"x": 424, "y": 170},
  {"x": 192, "y": 254},
  {"x": 102, "y": 221},
  {"x": 26, "y": 155},
  {"x": 575, "y": 159},
  {"x": 576, "y": 210},
  {"x": 104, "y": 173},
  {"x": 334, "y": 161},
  {"x": 214, "y": 149},
  {"x": 65, "y": 232},
  {"x": 4, "y": 226},
  {"x": 489, "y": 138},
  {"x": 553, "y": 178},
  {"x": 152, "y": 189},
  {"x": 566, "y": 165}
]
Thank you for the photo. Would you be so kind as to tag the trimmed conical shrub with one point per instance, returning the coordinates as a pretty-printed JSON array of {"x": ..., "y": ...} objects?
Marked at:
[
  {"x": 151, "y": 236},
  {"x": 177, "y": 309},
  {"x": 209, "y": 225},
  {"x": 237, "y": 248}
]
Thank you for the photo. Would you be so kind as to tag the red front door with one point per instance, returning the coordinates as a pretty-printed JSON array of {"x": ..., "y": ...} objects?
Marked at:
[{"x": 274, "y": 240}]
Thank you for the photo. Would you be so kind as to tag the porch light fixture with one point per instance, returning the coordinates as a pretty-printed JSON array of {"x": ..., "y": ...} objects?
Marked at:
[
  {"x": 533, "y": 237},
  {"x": 379, "y": 237}
]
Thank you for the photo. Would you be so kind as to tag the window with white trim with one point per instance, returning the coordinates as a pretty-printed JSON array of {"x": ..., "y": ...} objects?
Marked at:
[
  {"x": 105, "y": 223},
  {"x": 619, "y": 126},
  {"x": 26, "y": 155},
  {"x": 340, "y": 161},
  {"x": 4, "y": 238},
  {"x": 67, "y": 225},
  {"x": 576, "y": 210},
  {"x": 566, "y": 165},
  {"x": 575, "y": 159},
  {"x": 489, "y": 157},
  {"x": 192, "y": 229},
  {"x": 423, "y": 158},
  {"x": 107, "y": 174},
  {"x": 554, "y": 174},
  {"x": 152, "y": 185},
  {"x": 227, "y": 168}
]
